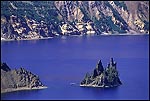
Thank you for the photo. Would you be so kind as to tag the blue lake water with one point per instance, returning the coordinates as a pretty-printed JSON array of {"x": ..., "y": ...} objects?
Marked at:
[{"x": 61, "y": 61}]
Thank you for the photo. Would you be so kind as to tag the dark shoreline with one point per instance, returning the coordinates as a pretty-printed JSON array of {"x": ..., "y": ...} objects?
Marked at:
[
  {"x": 22, "y": 89},
  {"x": 76, "y": 36}
]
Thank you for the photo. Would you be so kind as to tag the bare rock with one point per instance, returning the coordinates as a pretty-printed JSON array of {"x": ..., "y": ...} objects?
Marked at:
[{"x": 18, "y": 79}]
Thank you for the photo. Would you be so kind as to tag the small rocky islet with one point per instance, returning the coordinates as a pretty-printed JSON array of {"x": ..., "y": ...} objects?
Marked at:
[
  {"x": 18, "y": 79},
  {"x": 100, "y": 77}
]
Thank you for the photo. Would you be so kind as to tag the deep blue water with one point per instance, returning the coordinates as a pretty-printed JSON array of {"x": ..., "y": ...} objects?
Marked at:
[{"x": 61, "y": 61}]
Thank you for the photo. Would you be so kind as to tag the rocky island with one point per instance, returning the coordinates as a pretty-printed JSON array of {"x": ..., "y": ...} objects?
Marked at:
[
  {"x": 18, "y": 79},
  {"x": 101, "y": 77}
]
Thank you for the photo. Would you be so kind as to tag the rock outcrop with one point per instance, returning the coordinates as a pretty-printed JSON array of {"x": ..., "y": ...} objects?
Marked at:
[
  {"x": 101, "y": 77},
  {"x": 40, "y": 19},
  {"x": 18, "y": 79}
]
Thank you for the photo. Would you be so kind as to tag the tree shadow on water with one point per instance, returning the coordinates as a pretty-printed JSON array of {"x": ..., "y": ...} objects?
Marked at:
[{"x": 102, "y": 93}]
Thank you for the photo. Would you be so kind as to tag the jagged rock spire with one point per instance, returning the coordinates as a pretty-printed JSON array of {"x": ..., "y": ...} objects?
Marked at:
[
  {"x": 99, "y": 66},
  {"x": 111, "y": 62},
  {"x": 5, "y": 67},
  {"x": 98, "y": 70}
]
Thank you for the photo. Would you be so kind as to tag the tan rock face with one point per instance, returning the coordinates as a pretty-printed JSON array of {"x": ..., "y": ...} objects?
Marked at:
[
  {"x": 45, "y": 18},
  {"x": 138, "y": 12},
  {"x": 18, "y": 79}
]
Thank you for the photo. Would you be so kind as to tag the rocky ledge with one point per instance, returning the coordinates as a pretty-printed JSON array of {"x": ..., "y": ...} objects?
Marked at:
[
  {"x": 101, "y": 77},
  {"x": 18, "y": 79}
]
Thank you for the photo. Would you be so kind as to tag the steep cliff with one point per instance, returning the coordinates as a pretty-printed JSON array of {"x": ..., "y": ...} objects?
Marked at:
[
  {"x": 38, "y": 19},
  {"x": 18, "y": 79}
]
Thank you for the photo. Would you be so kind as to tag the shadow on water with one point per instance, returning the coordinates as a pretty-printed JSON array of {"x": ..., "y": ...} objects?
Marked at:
[
  {"x": 23, "y": 94},
  {"x": 105, "y": 93}
]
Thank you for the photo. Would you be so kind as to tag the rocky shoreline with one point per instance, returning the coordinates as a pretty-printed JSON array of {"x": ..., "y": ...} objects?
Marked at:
[
  {"x": 103, "y": 78},
  {"x": 77, "y": 35},
  {"x": 26, "y": 39},
  {"x": 96, "y": 86},
  {"x": 22, "y": 88},
  {"x": 18, "y": 79}
]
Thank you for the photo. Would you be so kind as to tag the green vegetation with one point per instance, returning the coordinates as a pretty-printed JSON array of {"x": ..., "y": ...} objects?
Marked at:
[
  {"x": 86, "y": 15},
  {"x": 146, "y": 25},
  {"x": 6, "y": 9},
  {"x": 54, "y": 13},
  {"x": 121, "y": 4},
  {"x": 119, "y": 18},
  {"x": 28, "y": 9},
  {"x": 111, "y": 24}
]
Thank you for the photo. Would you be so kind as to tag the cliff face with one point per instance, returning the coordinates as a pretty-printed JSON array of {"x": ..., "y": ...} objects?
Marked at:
[
  {"x": 101, "y": 77},
  {"x": 18, "y": 79},
  {"x": 37, "y": 19}
]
